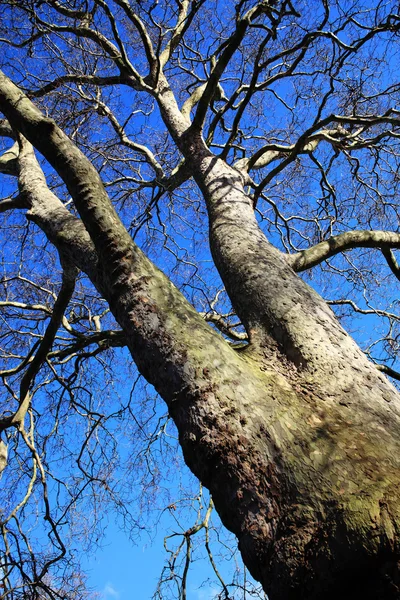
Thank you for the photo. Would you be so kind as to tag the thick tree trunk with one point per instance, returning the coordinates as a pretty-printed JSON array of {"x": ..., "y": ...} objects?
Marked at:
[
  {"x": 320, "y": 504},
  {"x": 297, "y": 435}
]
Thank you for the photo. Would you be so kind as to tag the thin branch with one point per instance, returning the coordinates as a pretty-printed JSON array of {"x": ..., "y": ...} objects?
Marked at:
[
  {"x": 126, "y": 141},
  {"x": 141, "y": 28},
  {"x": 184, "y": 21},
  {"x": 63, "y": 298},
  {"x": 224, "y": 327},
  {"x": 78, "y": 79},
  {"x": 271, "y": 152},
  {"x": 364, "y": 311},
  {"x": 104, "y": 339}
]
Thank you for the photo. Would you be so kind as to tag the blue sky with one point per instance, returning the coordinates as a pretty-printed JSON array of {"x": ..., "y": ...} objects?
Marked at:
[{"x": 122, "y": 570}]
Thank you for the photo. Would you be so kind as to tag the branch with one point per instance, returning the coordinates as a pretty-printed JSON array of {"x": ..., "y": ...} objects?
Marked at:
[
  {"x": 126, "y": 141},
  {"x": 104, "y": 339},
  {"x": 389, "y": 371},
  {"x": 78, "y": 79},
  {"x": 193, "y": 99},
  {"x": 391, "y": 261},
  {"x": 63, "y": 298},
  {"x": 184, "y": 21},
  {"x": 6, "y": 130},
  {"x": 11, "y": 203},
  {"x": 141, "y": 28},
  {"x": 198, "y": 92},
  {"x": 181, "y": 173},
  {"x": 8, "y": 161},
  {"x": 339, "y": 137},
  {"x": 364, "y": 311},
  {"x": 143, "y": 33},
  {"x": 63, "y": 229},
  {"x": 118, "y": 56},
  {"x": 271, "y": 152},
  {"x": 229, "y": 48},
  {"x": 224, "y": 326},
  {"x": 78, "y": 173},
  {"x": 306, "y": 259}
]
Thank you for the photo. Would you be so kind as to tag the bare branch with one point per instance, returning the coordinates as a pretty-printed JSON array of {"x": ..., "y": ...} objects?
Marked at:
[
  {"x": 389, "y": 371},
  {"x": 12, "y": 203},
  {"x": 183, "y": 23},
  {"x": 6, "y": 130},
  {"x": 126, "y": 141},
  {"x": 306, "y": 259},
  {"x": 229, "y": 47},
  {"x": 78, "y": 79},
  {"x": 63, "y": 298},
  {"x": 391, "y": 260},
  {"x": 8, "y": 161},
  {"x": 144, "y": 35}
]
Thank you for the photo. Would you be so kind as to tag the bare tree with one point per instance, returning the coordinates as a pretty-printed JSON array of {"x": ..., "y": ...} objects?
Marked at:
[{"x": 272, "y": 128}]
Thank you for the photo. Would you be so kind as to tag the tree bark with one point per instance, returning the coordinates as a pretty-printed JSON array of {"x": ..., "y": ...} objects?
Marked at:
[
  {"x": 297, "y": 435},
  {"x": 333, "y": 427}
]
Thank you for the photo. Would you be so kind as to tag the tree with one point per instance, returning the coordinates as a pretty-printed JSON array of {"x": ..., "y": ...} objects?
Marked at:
[{"x": 285, "y": 119}]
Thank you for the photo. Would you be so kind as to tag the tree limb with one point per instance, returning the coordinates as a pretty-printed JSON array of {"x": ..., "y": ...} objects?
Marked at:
[
  {"x": 391, "y": 261},
  {"x": 389, "y": 371},
  {"x": 183, "y": 22},
  {"x": 306, "y": 259},
  {"x": 8, "y": 161},
  {"x": 11, "y": 203},
  {"x": 78, "y": 79},
  {"x": 229, "y": 48}
]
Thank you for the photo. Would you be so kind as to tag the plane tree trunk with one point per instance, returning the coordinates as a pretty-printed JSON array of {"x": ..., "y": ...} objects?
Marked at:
[
  {"x": 296, "y": 435},
  {"x": 333, "y": 419}
]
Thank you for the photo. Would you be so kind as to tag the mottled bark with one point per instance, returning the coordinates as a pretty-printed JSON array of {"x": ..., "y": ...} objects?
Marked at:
[
  {"x": 297, "y": 435},
  {"x": 338, "y": 426}
]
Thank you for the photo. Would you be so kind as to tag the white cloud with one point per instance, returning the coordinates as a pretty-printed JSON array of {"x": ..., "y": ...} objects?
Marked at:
[
  {"x": 207, "y": 593},
  {"x": 109, "y": 591}
]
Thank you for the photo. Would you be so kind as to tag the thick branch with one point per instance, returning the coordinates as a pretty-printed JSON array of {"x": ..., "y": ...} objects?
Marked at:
[
  {"x": 230, "y": 48},
  {"x": 8, "y": 161},
  {"x": 11, "y": 203},
  {"x": 63, "y": 229},
  {"x": 271, "y": 152},
  {"x": 391, "y": 261},
  {"x": 184, "y": 21},
  {"x": 389, "y": 371},
  {"x": 306, "y": 259},
  {"x": 81, "y": 178},
  {"x": 6, "y": 130}
]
